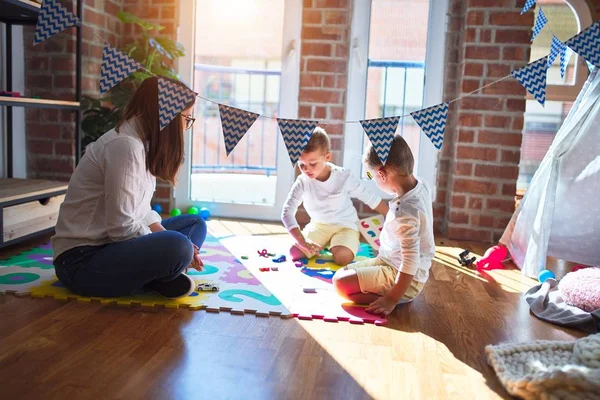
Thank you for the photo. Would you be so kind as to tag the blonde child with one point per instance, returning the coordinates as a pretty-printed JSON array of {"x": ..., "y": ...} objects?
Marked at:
[
  {"x": 401, "y": 269},
  {"x": 326, "y": 191}
]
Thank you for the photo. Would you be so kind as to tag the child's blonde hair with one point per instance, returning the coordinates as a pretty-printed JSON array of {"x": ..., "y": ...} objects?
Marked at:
[
  {"x": 400, "y": 158},
  {"x": 318, "y": 141}
]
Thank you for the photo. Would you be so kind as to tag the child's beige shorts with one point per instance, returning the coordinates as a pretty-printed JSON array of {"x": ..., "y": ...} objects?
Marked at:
[
  {"x": 334, "y": 235},
  {"x": 375, "y": 276}
]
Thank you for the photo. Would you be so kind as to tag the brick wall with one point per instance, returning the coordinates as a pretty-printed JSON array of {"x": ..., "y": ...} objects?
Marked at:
[
  {"x": 480, "y": 161},
  {"x": 50, "y": 73},
  {"x": 324, "y": 65}
]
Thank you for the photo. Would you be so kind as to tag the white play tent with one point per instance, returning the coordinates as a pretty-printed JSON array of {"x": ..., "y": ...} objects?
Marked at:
[{"x": 559, "y": 216}]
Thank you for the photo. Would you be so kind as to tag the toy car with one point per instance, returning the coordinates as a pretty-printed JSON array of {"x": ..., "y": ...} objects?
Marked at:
[{"x": 207, "y": 287}]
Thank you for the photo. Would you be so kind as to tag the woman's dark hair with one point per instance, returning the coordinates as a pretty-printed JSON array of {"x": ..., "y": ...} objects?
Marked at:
[{"x": 165, "y": 147}]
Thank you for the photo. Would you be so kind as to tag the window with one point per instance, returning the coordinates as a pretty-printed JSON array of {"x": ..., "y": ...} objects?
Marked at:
[
  {"x": 395, "y": 44},
  {"x": 565, "y": 19}
]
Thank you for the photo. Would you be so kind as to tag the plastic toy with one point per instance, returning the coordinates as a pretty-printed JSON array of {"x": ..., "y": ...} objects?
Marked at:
[
  {"x": 157, "y": 208},
  {"x": 279, "y": 259},
  {"x": 263, "y": 253},
  {"x": 274, "y": 268},
  {"x": 193, "y": 210},
  {"x": 545, "y": 275},
  {"x": 207, "y": 287},
  {"x": 464, "y": 261},
  {"x": 298, "y": 264},
  {"x": 205, "y": 213},
  {"x": 264, "y": 269},
  {"x": 309, "y": 290},
  {"x": 493, "y": 258},
  {"x": 175, "y": 212},
  {"x": 244, "y": 257}
]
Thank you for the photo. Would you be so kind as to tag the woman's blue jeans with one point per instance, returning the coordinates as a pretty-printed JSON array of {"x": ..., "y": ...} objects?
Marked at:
[{"x": 123, "y": 268}]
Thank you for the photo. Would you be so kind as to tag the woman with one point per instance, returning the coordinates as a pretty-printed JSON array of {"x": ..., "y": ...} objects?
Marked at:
[{"x": 108, "y": 240}]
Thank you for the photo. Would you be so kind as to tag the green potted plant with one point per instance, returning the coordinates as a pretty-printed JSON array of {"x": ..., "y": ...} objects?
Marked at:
[{"x": 156, "y": 53}]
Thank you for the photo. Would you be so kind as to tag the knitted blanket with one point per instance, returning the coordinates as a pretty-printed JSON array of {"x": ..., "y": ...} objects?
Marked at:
[{"x": 549, "y": 369}]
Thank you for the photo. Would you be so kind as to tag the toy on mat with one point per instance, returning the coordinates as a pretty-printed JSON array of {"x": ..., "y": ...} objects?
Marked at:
[
  {"x": 175, "y": 212},
  {"x": 264, "y": 269},
  {"x": 244, "y": 257},
  {"x": 157, "y": 208},
  {"x": 263, "y": 253},
  {"x": 207, "y": 287},
  {"x": 279, "y": 259},
  {"x": 193, "y": 210},
  {"x": 205, "y": 213},
  {"x": 464, "y": 261},
  {"x": 298, "y": 264},
  {"x": 274, "y": 268},
  {"x": 545, "y": 275},
  {"x": 309, "y": 290},
  {"x": 493, "y": 258}
]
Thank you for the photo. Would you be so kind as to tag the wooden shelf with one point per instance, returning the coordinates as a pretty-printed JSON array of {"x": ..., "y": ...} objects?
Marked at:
[
  {"x": 19, "y": 11},
  {"x": 38, "y": 103},
  {"x": 15, "y": 190}
]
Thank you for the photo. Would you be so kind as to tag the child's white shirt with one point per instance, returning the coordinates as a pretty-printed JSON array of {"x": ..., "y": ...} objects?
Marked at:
[
  {"x": 328, "y": 202},
  {"x": 406, "y": 240}
]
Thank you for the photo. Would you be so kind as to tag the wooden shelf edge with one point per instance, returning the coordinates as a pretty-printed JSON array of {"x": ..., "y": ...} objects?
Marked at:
[
  {"x": 38, "y": 103},
  {"x": 14, "y": 189}
]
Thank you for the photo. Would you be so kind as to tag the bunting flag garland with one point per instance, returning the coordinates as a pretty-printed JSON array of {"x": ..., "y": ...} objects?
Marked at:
[
  {"x": 116, "y": 66},
  {"x": 540, "y": 23},
  {"x": 556, "y": 48},
  {"x": 527, "y": 6},
  {"x": 381, "y": 132},
  {"x": 533, "y": 78},
  {"x": 172, "y": 99},
  {"x": 235, "y": 124},
  {"x": 587, "y": 44},
  {"x": 52, "y": 19},
  {"x": 296, "y": 133},
  {"x": 432, "y": 121}
]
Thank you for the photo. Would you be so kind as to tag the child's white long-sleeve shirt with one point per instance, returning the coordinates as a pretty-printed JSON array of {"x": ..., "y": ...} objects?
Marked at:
[
  {"x": 406, "y": 240},
  {"x": 330, "y": 201}
]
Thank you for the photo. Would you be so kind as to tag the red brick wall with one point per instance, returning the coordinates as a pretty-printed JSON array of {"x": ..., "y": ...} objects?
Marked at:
[
  {"x": 50, "y": 73},
  {"x": 479, "y": 163},
  {"x": 324, "y": 65}
]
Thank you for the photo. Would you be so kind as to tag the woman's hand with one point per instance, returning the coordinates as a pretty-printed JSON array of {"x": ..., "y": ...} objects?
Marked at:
[{"x": 197, "y": 263}]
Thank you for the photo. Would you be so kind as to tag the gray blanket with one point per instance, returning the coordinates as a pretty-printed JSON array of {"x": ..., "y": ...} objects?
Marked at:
[{"x": 546, "y": 303}]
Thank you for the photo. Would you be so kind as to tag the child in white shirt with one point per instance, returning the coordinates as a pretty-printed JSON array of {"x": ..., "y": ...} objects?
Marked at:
[
  {"x": 326, "y": 191},
  {"x": 400, "y": 271}
]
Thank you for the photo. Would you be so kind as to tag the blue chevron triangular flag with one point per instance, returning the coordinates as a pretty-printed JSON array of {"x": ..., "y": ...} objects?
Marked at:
[
  {"x": 556, "y": 48},
  {"x": 533, "y": 78},
  {"x": 540, "y": 23},
  {"x": 432, "y": 121},
  {"x": 381, "y": 132},
  {"x": 116, "y": 66},
  {"x": 587, "y": 44},
  {"x": 172, "y": 99},
  {"x": 52, "y": 19},
  {"x": 565, "y": 57},
  {"x": 527, "y": 6},
  {"x": 235, "y": 124},
  {"x": 296, "y": 133}
]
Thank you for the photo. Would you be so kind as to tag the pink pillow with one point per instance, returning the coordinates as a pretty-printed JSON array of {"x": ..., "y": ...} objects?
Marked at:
[{"x": 582, "y": 288}]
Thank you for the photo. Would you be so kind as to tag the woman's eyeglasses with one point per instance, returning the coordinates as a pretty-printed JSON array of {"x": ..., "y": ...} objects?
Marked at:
[{"x": 189, "y": 121}]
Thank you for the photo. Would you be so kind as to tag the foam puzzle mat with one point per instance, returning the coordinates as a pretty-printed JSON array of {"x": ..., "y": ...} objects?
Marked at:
[
  {"x": 288, "y": 282},
  {"x": 31, "y": 273}
]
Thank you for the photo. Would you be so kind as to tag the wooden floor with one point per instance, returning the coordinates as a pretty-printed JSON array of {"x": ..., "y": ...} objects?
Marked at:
[{"x": 431, "y": 349}]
